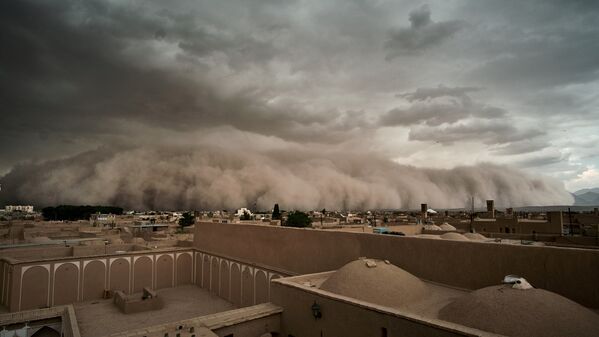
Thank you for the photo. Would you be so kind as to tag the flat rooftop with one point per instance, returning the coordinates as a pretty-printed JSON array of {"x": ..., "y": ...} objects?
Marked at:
[{"x": 102, "y": 317}]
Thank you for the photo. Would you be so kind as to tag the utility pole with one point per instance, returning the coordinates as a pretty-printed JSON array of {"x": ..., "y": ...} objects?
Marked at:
[
  {"x": 321, "y": 215},
  {"x": 472, "y": 214}
]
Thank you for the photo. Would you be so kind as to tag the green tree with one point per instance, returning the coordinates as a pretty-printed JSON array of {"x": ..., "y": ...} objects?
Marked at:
[
  {"x": 186, "y": 220},
  {"x": 298, "y": 219},
  {"x": 276, "y": 214}
]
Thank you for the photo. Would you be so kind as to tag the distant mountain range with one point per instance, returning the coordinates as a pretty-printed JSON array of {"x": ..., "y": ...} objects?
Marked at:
[{"x": 586, "y": 197}]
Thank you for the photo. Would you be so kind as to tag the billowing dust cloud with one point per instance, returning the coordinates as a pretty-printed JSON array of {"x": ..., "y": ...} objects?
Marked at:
[{"x": 221, "y": 178}]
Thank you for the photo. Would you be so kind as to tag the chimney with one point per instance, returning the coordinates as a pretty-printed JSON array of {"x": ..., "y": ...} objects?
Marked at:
[
  {"x": 423, "y": 210},
  {"x": 596, "y": 211},
  {"x": 556, "y": 221},
  {"x": 491, "y": 208}
]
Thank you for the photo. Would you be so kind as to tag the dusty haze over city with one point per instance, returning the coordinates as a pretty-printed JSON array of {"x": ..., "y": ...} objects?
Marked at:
[{"x": 310, "y": 104}]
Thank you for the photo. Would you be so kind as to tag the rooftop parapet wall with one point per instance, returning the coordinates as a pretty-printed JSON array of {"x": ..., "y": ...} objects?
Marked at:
[
  {"x": 472, "y": 265},
  {"x": 50, "y": 253},
  {"x": 28, "y": 285}
]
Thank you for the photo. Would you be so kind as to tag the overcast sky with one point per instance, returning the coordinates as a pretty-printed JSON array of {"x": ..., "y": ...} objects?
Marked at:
[{"x": 434, "y": 84}]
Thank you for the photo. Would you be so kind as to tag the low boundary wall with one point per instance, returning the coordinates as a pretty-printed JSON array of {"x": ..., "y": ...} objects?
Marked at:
[{"x": 571, "y": 272}]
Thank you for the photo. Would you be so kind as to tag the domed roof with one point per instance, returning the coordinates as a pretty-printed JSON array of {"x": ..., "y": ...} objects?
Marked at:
[
  {"x": 376, "y": 281},
  {"x": 447, "y": 227},
  {"x": 512, "y": 312},
  {"x": 431, "y": 227},
  {"x": 454, "y": 236},
  {"x": 475, "y": 236}
]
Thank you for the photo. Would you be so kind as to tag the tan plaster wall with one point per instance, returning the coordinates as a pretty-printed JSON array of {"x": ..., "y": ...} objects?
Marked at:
[
  {"x": 224, "y": 291},
  {"x": 46, "y": 252},
  {"x": 164, "y": 272},
  {"x": 142, "y": 274},
  {"x": 132, "y": 305},
  {"x": 67, "y": 284},
  {"x": 4, "y": 278},
  {"x": 206, "y": 272},
  {"x": 94, "y": 280},
  {"x": 242, "y": 283},
  {"x": 235, "y": 284},
  {"x": 119, "y": 275},
  {"x": 184, "y": 269},
  {"x": 247, "y": 288},
  {"x": 570, "y": 272},
  {"x": 215, "y": 275},
  {"x": 252, "y": 328},
  {"x": 261, "y": 287},
  {"x": 66, "y": 279},
  {"x": 15, "y": 289},
  {"x": 35, "y": 280},
  {"x": 552, "y": 226},
  {"x": 198, "y": 269},
  {"x": 101, "y": 249},
  {"x": 344, "y": 319}
]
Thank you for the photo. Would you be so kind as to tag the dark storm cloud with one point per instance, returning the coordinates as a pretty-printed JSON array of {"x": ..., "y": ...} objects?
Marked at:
[
  {"x": 74, "y": 65},
  {"x": 422, "y": 34},
  {"x": 535, "y": 44},
  {"x": 438, "y": 105},
  {"x": 422, "y": 94},
  {"x": 176, "y": 83},
  {"x": 555, "y": 59}
]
